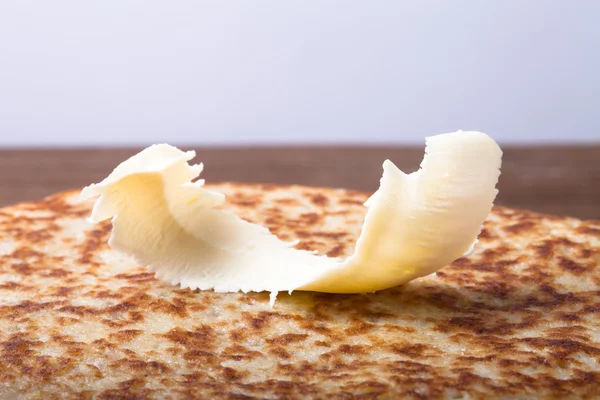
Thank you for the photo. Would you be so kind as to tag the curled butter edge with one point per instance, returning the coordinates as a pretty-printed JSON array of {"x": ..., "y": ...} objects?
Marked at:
[{"x": 415, "y": 223}]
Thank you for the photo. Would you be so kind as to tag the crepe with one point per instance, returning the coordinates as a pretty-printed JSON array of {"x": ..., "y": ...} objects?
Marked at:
[{"x": 519, "y": 318}]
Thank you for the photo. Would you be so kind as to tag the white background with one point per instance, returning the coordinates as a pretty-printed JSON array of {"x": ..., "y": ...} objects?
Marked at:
[{"x": 238, "y": 72}]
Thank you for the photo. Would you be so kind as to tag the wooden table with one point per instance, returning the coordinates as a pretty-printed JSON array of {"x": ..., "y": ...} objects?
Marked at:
[{"x": 555, "y": 180}]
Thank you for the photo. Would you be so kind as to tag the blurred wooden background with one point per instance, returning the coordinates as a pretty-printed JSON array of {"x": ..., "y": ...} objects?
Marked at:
[{"x": 555, "y": 180}]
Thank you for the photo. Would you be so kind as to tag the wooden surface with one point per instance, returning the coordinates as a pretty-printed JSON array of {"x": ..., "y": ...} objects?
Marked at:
[{"x": 555, "y": 180}]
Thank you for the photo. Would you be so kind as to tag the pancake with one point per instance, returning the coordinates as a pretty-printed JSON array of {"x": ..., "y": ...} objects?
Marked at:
[{"x": 519, "y": 318}]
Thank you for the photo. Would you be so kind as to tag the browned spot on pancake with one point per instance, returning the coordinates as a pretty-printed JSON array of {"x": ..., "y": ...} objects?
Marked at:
[
  {"x": 57, "y": 273},
  {"x": 139, "y": 277},
  {"x": 589, "y": 228},
  {"x": 64, "y": 321},
  {"x": 576, "y": 332},
  {"x": 351, "y": 202},
  {"x": 238, "y": 352},
  {"x": 571, "y": 266},
  {"x": 287, "y": 339},
  {"x": 304, "y": 234},
  {"x": 476, "y": 325},
  {"x": 61, "y": 291},
  {"x": 58, "y": 204},
  {"x": 23, "y": 268},
  {"x": 15, "y": 286},
  {"x": 41, "y": 235},
  {"x": 243, "y": 201},
  {"x": 358, "y": 327},
  {"x": 200, "y": 358},
  {"x": 18, "y": 344},
  {"x": 77, "y": 310},
  {"x": 318, "y": 327},
  {"x": 413, "y": 351},
  {"x": 310, "y": 218},
  {"x": 72, "y": 348},
  {"x": 200, "y": 338},
  {"x": 26, "y": 253},
  {"x": 126, "y": 391},
  {"x": 176, "y": 307},
  {"x": 272, "y": 223},
  {"x": 520, "y": 227},
  {"x": 586, "y": 253},
  {"x": 308, "y": 245},
  {"x": 289, "y": 202},
  {"x": 563, "y": 346},
  {"x": 330, "y": 235},
  {"x": 544, "y": 250},
  {"x": 348, "y": 349},
  {"x": 481, "y": 267},
  {"x": 463, "y": 263},
  {"x": 125, "y": 335},
  {"x": 337, "y": 251},
  {"x": 247, "y": 299},
  {"x": 259, "y": 321},
  {"x": 95, "y": 239},
  {"x": 140, "y": 366},
  {"x": 26, "y": 307},
  {"x": 319, "y": 200},
  {"x": 279, "y": 352},
  {"x": 230, "y": 374},
  {"x": 134, "y": 291},
  {"x": 486, "y": 234},
  {"x": 498, "y": 252},
  {"x": 68, "y": 241},
  {"x": 103, "y": 294}
]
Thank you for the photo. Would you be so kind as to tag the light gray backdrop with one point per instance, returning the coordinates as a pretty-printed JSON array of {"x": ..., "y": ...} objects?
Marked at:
[{"x": 116, "y": 71}]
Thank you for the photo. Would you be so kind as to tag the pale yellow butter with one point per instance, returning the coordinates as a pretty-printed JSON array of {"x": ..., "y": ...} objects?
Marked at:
[{"x": 415, "y": 224}]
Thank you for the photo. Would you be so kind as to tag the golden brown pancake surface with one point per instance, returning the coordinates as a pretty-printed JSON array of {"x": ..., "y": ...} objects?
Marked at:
[{"x": 520, "y": 318}]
